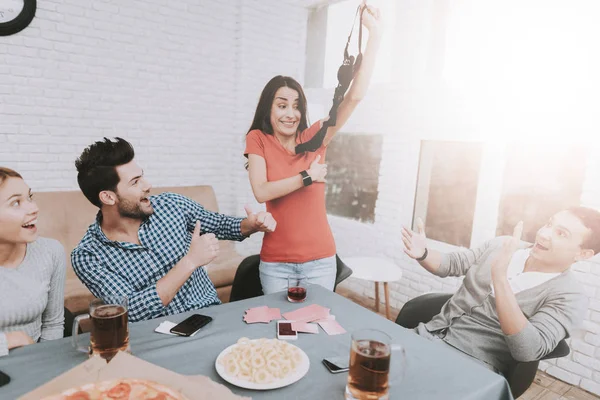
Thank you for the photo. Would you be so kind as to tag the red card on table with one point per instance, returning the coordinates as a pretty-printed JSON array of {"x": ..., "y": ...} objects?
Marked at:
[
  {"x": 253, "y": 320},
  {"x": 330, "y": 317},
  {"x": 332, "y": 327},
  {"x": 274, "y": 313},
  {"x": 262, "y": 314},
  {"x": 310, "y": 313},
  {"x": 305, "y": 327}
]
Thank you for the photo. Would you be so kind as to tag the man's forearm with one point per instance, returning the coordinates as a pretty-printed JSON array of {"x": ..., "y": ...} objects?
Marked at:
[
  {"x": 247, "y": 228},
  {"x": 512, "y": 319},
  {"x": 168, "y": 286},
  {"x": 432, "y": 262}
]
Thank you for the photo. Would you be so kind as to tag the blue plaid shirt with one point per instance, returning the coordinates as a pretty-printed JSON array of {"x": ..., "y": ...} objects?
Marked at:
[{"x": 120, "y": 268}]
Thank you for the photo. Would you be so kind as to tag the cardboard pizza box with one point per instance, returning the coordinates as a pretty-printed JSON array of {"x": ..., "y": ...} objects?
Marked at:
[{"x": 124, "y": 365}]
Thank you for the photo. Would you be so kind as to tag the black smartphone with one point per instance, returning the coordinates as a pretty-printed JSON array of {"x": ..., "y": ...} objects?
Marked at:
[
  {"x": 4, "y": 379},
  {"x": 336, "y": 365},
  {"x": 191, "y": 325}
]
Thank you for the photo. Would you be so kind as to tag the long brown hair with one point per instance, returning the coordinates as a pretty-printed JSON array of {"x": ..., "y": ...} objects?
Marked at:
[
  {"x": 262, "y": 115},
  {"x": 6, "y": 173}
]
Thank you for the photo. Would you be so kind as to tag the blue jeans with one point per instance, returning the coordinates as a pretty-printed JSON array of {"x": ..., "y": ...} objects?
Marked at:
[{"x": 273, "y": 275}]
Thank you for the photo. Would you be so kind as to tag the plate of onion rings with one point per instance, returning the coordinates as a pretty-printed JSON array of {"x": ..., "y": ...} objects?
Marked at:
[{"x": 262, "y": 364}]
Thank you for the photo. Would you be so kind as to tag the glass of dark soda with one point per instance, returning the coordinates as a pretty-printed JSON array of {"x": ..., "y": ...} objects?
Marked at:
[
  {"x": 370, "y": 357},
  {"x": 110, "y": 330},
  {"x": 297, "y": 288}
]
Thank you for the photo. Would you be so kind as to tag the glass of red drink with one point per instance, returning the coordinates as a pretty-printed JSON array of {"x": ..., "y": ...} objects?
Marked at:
[{"x": 297, "y": 288}]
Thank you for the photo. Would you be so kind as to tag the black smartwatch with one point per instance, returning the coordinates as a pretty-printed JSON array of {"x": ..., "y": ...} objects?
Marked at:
[
  {"x": 306, "y": 179},
  {"x": 424, "y": 256}
]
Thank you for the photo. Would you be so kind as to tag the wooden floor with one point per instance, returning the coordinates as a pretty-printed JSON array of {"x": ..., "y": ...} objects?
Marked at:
[{"x": 544, "y": 387}]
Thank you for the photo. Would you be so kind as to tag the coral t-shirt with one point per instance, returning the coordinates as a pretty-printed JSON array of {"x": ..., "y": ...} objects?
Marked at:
[{"x": 303, "y": 233}]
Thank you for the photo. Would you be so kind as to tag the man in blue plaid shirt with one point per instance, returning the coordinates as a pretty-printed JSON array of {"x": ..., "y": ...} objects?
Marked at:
[{"x": 149, "y": 248}]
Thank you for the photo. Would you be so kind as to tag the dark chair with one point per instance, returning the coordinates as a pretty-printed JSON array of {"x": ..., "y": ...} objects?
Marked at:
[
  {"x": 343, "y": 272},
  {"x": 68, "y": 329},
  {"x": 520, "y": 375},
  {"x": 246, "y": 283}
]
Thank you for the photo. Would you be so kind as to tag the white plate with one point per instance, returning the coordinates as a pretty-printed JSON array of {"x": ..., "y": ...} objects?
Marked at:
[{"x": 301, "y": 370}]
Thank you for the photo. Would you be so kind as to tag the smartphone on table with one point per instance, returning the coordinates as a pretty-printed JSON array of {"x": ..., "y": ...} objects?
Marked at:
[
  {"x": 285, "y": 331},
  {"x": 335, "y": 365},
  {"x": 4, "y": 379},
  {"x": 191, "y": 325}
]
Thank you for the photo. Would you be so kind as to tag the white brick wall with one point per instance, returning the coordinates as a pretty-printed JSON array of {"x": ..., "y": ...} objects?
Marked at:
[{"x": 177, "y": 79}]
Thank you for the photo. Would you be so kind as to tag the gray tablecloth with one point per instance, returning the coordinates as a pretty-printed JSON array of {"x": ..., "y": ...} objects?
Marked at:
[{"x": 434, "y": 371}]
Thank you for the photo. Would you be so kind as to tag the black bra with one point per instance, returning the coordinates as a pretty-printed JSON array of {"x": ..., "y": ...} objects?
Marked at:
[{"x": 346, "y": 74}]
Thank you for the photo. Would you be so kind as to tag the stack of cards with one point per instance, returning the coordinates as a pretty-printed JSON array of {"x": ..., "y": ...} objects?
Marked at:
[
  {"x": 314, "y": 313},
  {"x": 262, "y": 314}
]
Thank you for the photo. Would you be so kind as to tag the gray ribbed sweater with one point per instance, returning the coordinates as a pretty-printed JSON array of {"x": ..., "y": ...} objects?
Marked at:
[
  {"x": 31, "y": 295},
  {"x": 469, "y": 321}
]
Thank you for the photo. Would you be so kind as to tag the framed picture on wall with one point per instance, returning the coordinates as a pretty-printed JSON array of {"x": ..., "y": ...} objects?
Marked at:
[
  {"x": 446, "y": 192},
  {"x": 353, "y": 177}
]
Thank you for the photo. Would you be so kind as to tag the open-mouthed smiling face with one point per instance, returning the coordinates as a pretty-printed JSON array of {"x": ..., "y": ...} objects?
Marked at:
[
  {"x": 18, "y": 212},
  {"x": 133, "y": 191},
  {"x": 285, "y": 114},
  {"x": 560, "y": 241}
]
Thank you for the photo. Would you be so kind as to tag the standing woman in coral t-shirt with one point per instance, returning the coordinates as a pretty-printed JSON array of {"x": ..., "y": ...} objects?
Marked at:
[{"x": 292, "y": 184}]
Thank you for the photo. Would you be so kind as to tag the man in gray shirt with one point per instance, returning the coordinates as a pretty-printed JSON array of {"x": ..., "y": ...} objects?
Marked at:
[{"x": 516, "y": 301}]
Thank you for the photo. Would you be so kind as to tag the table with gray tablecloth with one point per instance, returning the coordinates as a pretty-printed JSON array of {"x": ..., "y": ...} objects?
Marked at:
[{"x": 434, "y": 370}]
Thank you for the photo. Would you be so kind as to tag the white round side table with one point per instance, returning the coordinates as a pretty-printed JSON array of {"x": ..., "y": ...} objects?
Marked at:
[{"x": 375, "y": 269}]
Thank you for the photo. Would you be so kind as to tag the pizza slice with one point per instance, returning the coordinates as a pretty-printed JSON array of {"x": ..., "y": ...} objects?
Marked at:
[{"x": 120, "y": 389}]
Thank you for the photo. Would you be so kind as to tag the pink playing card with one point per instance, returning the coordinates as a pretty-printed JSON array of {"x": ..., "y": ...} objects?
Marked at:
[
  {"x": 305, "y": 327},
  {"x": 330, "y": 317},
  {"x": 308, "y": 314},
  {"x": 332, "y": 327},
  {"x": 274, "y": 313},
  {"x": 262, "y": 314},
  {"x": 255, "y": 320},
  {"x": 315, "y": 316},
  {"x": 258, "y": 312}
]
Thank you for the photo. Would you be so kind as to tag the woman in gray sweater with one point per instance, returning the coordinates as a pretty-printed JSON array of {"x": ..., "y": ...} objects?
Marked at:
[{"x": 32, "y": 270}]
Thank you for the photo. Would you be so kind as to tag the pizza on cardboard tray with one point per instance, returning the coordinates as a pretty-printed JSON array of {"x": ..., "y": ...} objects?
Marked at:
[{"x": 120, "y": 389}]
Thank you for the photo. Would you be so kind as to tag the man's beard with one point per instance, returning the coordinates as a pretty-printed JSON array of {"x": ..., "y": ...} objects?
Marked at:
[{"x": 128, "y": 209}]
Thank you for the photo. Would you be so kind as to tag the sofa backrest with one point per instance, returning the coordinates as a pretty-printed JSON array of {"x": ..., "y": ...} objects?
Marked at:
[{"x": 66, "y": 216}]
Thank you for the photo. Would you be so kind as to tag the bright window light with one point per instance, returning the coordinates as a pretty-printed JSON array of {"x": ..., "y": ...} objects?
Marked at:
[{"x": 529, "y": 67}]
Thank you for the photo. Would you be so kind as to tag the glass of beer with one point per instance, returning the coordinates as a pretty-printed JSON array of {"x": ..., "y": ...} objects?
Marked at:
[
  {"x": 370, "y": 357},
  {"x": 110, "y": 333},
  {"x": 297, "y": 288}
]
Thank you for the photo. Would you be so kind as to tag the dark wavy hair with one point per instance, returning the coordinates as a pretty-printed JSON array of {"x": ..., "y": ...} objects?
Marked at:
[
  {"x": 96, "y": 167},
  {"x": 590, "y": 218}
]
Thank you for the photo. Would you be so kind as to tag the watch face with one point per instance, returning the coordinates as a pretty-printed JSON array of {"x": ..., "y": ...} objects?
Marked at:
[{"x": 10, "y": 9}]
